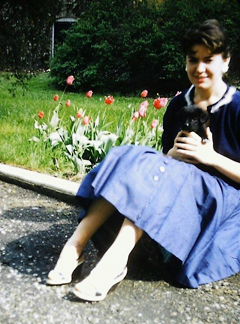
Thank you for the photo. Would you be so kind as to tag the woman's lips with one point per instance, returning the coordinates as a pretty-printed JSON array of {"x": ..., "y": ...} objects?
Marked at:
[{"x": 200, "y": 79}]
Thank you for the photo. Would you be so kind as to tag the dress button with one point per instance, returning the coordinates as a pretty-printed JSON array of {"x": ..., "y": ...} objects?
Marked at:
[
  {"x": 155, "y": 178},
  {"x": 162, "y": 169}
]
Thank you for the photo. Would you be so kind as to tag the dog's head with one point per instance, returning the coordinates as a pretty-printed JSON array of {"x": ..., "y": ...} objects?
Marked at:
[{"x": 192, "y": 118}]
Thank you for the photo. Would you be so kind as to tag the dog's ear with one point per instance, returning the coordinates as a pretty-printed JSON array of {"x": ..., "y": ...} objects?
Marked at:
[
  {"x": 181, "y": 114},
  {"x": 204, "y": 117}
]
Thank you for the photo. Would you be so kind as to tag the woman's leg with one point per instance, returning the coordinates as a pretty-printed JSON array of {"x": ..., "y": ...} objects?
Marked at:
[
  {"x": 112, "y": 267},
  {"x": 99, "y": 211},
  {"x": 116, "y": 257}
]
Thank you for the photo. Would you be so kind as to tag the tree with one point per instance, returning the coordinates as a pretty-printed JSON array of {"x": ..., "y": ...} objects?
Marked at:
[
  {"x": 25, "y": 27},
  {"x": 127, "y": 46}
]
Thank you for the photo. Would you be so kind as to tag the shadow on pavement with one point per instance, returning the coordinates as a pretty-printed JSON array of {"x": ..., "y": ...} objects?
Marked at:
[{"x": 41, "y": 233}]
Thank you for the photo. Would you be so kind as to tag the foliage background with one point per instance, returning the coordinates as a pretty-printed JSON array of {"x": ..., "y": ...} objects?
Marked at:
[
  {"x": 25, "y": 31},
  {"x": 127, "y": 46},
  {"x": 116, "y": 45}
]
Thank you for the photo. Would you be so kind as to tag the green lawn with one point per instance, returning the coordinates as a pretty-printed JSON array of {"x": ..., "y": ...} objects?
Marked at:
[{"x": 18, "y": 114}]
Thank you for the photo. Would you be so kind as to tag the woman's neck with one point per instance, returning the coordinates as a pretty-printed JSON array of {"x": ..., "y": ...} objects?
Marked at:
[{"x": 204, "y": 98}]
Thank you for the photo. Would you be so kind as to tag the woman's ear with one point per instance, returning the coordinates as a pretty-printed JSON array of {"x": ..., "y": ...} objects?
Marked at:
[{"x": 225, "y": 65}]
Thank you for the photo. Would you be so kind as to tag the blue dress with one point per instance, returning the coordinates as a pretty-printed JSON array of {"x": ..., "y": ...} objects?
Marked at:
[{"x": 193, "y": 214}]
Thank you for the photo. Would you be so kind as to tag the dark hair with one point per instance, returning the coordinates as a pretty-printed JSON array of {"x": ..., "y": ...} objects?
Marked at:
[{"x": 210, "y": 34}]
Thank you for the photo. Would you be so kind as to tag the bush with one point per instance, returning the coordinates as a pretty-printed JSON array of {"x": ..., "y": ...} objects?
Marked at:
[
  {"x": 128, "y": 46},
  {"x": 25, "y": 30},
  {"x": 111, "y": 49}
]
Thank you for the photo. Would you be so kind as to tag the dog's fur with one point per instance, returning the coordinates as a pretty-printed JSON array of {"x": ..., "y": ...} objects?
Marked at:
[{"x": 193, "y": 119}]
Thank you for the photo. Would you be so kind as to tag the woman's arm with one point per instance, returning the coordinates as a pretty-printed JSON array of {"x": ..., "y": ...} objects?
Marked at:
[
  {"x": 191, "y": 149},
  {"x": 228, "y": 167}
]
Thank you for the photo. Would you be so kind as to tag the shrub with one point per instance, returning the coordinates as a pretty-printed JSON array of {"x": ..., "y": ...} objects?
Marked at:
[
  {"x": 111, "y": 49},
  {"x": 126, "y": 46}
]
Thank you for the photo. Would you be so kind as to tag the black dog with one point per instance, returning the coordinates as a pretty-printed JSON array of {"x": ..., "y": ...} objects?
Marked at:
[{"x": 193, "y": 119}]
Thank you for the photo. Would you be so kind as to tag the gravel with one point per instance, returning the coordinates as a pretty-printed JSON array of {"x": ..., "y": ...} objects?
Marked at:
[{"x": 33, "y": 228}]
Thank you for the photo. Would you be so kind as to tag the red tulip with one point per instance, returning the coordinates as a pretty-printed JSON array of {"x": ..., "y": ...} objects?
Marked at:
[
  {"x": 160, "y": 102},
  {"x": 89, "y": 94},
  {"x": 109, "y": 100},
  {"x": 154, "y": 123},
  {"x": 144, "y": 93},
  {"x": 68, "y": 103},
  {"x": 135, "y": 116},
  {"x": 56, "y": 97},
  {"x": 86, "y": 120},
  {"x": 78, "y": 115},
  {"x": 70, "y": 80},
  {"x": 41, "y": 114}
]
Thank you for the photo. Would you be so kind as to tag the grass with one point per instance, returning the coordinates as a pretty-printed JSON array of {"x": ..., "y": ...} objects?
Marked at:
[{"x": 18, "y": 114}]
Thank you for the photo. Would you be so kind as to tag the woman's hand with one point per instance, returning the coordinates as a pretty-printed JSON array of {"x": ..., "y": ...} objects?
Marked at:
[{"x": 189, "y": 147}]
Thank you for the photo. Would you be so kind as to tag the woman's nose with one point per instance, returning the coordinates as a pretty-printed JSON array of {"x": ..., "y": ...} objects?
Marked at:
[{"x": 201, "y": 67}]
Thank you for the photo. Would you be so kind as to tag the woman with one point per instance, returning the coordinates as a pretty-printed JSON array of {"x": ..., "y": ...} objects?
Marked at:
[{"x": 187, "y": 199}]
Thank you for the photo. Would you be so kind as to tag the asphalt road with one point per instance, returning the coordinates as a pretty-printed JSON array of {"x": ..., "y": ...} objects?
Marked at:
[{"x": 33, "y": 228}]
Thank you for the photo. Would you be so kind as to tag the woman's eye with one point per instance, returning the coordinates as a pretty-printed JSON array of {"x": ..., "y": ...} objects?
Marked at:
[{"x": 192, "y": 60}]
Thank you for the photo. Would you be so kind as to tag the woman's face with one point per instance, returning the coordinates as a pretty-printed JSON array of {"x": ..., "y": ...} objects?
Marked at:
[{"x": 204, "y": 69}]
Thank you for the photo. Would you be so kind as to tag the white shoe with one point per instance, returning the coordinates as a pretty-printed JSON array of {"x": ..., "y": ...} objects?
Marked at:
[
  {"x": 64, "y": 276},
  {"x": 90, "y": 290}
]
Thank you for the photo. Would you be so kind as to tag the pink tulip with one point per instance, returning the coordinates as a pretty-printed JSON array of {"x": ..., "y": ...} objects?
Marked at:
[
  {"x": 142, "y": 111},
  {"x": 109, "y": 100},
  {"x": 143, "y": 108},
  {"x": 56, "y": 97},
  {"x": 70, "y": 80},
  {"x": 89, "y": 94},
  {"x": 78, "y": 115},
  {"x": 68, "y": 103},
  {"x": 86, "y": 120},
  {"x": 41, "y": 114},
  {"x": 135, "y": 115},
  {"x": 178, "y": 93},
  {"x": 144, "y": 93},
  {"x": 160, "y": 102},
  {"x": 145, "y": 103},
  {"x": 154, "y": 123}
]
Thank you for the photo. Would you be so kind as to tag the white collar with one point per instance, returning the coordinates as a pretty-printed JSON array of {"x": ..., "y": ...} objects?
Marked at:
[{"x": 226, "y": 99}]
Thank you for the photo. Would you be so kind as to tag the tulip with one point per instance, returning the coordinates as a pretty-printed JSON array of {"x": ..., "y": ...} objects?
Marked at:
[
  {"x": 109, "y": 100},
  {"x": 160, "y": 102},
  {"x": 41, "y": 114},
  {"x": 56, "y": 97},
  {"x": 89, "y": 94},
  {"x": 78, "y": 115},
  {"x": 145, "y": 103},
  {"x": 135, "y": 116},
  {"x": 144, "y": 93},
  {"x": 70, "y": 80},
  {"x": 68, "y": 103},
  {"x": 154, "y": 123},
  {"x": 142, "y": 111},
  {"x": 178, "y": 93},
  {"x": 86, "y": 120}
]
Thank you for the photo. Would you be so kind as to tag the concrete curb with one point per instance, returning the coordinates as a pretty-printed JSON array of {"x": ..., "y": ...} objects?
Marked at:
[{"x": 64, "y": 190}]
